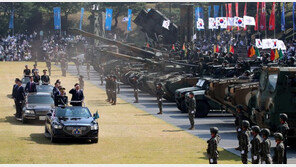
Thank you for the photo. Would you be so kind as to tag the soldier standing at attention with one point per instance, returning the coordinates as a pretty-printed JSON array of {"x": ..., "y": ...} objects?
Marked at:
[
  {"x": 239, "y": 117},
  {"x": 19, "y": 99},
  {"x": 159, "y": 95},
  {"x": 63, "y": 67},
  {"x": 212, "y": 150},
  {"x": 81, "y": 82},
  {"x": 113, "y": 85},
  {"x": 108, "y": 88},
  {"x": 48, "y": 65},
  {"x": 136, "y": 89},
  {"x": 36, "y": 77},
  {"x": 191, "y": 106},
  {"x": 88, "y": 70},
  {"x": 27, "y": 71},
  {"x": 279, "y": 150},
  {"x": 45, "y": 78},
  {"x": 244, "y": 141},
  {"x": 265, "y": 147},
  {"x": 283, "y": 128},
  {"x": 34, "y": 69},
  {"x": 256, "y": 145}
]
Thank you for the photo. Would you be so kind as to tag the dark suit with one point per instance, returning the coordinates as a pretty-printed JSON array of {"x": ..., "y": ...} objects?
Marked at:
[
  {"x": 31, "y": 87},
  {"x": 76, "y": 96},
  {"x": 55, "y": 93},
  {"x": 27, "y": 72},
  {"x": 36, "y": 79},
  {"x": 33, "y": 71},
  {"x": 45, "y": 79},
  {"x": 19, "y": 100},
  {"x": 14, "y": 90},
  {"x": 62, "y": 100}
]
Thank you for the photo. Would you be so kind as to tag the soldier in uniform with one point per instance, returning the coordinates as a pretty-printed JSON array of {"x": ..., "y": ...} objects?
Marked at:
[
  {"x": 265, "y": 146},
  {"x": 159, "y": 95},
  {"x": 88, "y": 70},
  {"x": 101, "y": 69},
  {"x": 63, "y": 66},
  {"x": 283, "y": 128},
  {"x": 113, "y": 85},
  {"x": 191, "y": 106},
  {"x": 62, "y": 99},
  {"x": 55, "y": 93},
  {"x": 45, "y": 78},
  {"x": 244, "y": 141},
  {"x": 27, "y": 71},
  {"x": 81, "y": 82},
  {"x": 279, "y": 150},
  {"x": 256, "y": 145},
  {"x": 34, "y": 69},
  {"x": 48, "y": 65},
  {"x": 36, "y": 77},
  {"x": 108, "y": 82},
  {"x": 19, "y": 99},
  {"x": 212, "y": 150},
  {"x": 77, "y": 66},
  {"x": 239, "y": 117},
  {"x": 136, "y": 89}
]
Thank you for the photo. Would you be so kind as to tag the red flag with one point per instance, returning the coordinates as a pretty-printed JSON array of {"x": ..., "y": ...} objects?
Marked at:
[
  {"x": 229, "y": 14},
  {"x": 217, "y": 49},
  {"x": 263, "y": 17},
  {"x": 245, "y": 14},
  {"x": 173, "y": 47},
  {"x": 147, "y": 45},
  {"x": 236, "y": 11},
  {"x": 272, "y": 55},
  {"x": 226, "y": 10},
  {"x": 257, "y": 16},
  {"x": 272, "y": 18}
]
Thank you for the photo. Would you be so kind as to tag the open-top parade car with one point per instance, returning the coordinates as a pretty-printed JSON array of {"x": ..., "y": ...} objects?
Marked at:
[{"x": 74, "y": 122}]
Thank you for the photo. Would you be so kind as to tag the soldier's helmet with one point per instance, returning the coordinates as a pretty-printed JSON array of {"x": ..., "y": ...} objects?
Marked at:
[
  {"x": 278, "y": 136},
  {"x": 265, "y": 132},
  {"x": 245, "y": 124},
  {"x": 256, "y": 129},
  {"x": 214, "y": 130},
  {"x": 283, "y": 116}
]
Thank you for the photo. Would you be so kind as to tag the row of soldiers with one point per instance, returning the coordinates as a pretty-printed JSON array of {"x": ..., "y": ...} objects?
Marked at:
[
  {"x": 34, "y": 73},
  {"x": 111, "y": 89}
]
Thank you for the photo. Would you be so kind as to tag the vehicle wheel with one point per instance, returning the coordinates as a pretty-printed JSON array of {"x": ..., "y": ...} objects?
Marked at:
[
  {"x": 24, "y": 120},
  {"x": 52, "y": 139},
  {"x": 183, "y": 107},
  {"x": 95, "y": 140},
  {"x": 202, "y": 109}
]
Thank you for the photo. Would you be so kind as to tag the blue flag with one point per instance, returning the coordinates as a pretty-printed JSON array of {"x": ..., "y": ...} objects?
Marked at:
[
  {"x": 221, "y": 13},
  {"x": 200, "y": 12},
  {"x": 129, "y": 22},
  {"x": 57, "y": 18},
  {"x": 108, "y": 22},
  {"x": 293, "y": 17},
  {"x": 209, "y": 11},
  {"x": 81, "y": 18},
  {"x": 283, "y": 18},
  {"x": 216, "y": 11},
  {"x": 11, "y": 25},
  {"x": 196, "y": 15}
]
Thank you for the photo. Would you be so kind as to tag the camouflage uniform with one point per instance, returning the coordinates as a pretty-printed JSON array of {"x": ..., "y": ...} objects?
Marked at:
[
  {"x": 113, "y": 90},
  {"x": 239, "y": 117},
  {"x": 256, "y": 145},
  {"x": 136, "y": 90},
  {"x": 191, "y": 106},
  {"x": 279, "y": 150},
  {"x": 63, "y": 66},
  {"x": 48, "y": 65},
  {"x": 283, "y": 128},
  {"x": 108, "y": 88},
  {"x": 265, "y": 147},
  {"x": 159, "y": 95},
  {"x": 244, "y": 142},
  {"x": 212, "y": 150}
]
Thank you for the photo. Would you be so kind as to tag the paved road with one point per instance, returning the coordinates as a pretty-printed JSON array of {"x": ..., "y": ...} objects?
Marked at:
[{"x": 148, "y": 103}]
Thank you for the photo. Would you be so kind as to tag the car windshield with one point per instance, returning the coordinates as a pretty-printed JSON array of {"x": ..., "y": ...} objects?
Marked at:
[
  {"x": 40, "y": 99},
  {"x": 200, "y": 83},
  {"x": 44, "y": 88},
  {"x": 73, "y": 112},
  {"x": 25, "y": 80},
  {"x": 272, "y": 79}
]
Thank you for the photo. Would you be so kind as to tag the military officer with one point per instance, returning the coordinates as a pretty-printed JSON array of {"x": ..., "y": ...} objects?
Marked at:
[
  {"x": 113, "y": 86},
  {"x": 244, "y": 141},
  {"x": 191, "y": 107},
  {"x": 36, "y": 77},
  {"x": 63, "y": 66},
  {"x": 81, "y": 82},
  {"x": 107, "y": 86},
  {"x": 256, "y": 145},
  {"x": 34, "y": 69},
  {"x": 283, "y": 128},
  {"x": 48, "y": 65},
  {"x": 159, "y": 95},
  {"x": 136, "y": 89},
  {"x": 77, "y": 95},
  {"x": 265, "y": 146},
  {"x": 45, "y": 78},
  {"x": 55, "y": 93},
  {"x": 62, "y": 99},
  {"x": 212, "y": 150},
  {"x": 279, "y": 150},
  {"x": 19, "y": 99},
  {"x": 239, "y": 117},
  {"x": 31, "y": 86},
  {"x": 27, "y": 71}
]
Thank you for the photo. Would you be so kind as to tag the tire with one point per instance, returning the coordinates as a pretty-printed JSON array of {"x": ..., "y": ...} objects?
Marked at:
[
  {"x": 52, "y": 139},
  {"x": 202, "y": 109},
  {"x": 94, "y": 140},
  {"x": 24, "y": 120},
  {"x": 183, "y": 107}
]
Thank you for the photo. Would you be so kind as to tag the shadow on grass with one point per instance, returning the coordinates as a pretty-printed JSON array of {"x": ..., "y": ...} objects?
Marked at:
[
  {"x": 179, "y": 130},
  {"x": 40, "y": 138},
  {"x": 143, "y": 114},
  {"x": 224, "y": 155},
  {"x": 13, "y": 121}
]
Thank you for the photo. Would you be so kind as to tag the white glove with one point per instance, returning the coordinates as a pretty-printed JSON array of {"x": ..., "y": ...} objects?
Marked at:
[
  {"x": 192, "y": 112},
  {"x": 255, "y": 157},
  {"x": 243, "y": 152},
  {"x": 211, "y": 160},
  {"x": 239, "y": 129}
]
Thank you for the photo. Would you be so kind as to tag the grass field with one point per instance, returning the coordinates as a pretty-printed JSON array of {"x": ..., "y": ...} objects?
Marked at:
[{"x": 127, "y": 134}]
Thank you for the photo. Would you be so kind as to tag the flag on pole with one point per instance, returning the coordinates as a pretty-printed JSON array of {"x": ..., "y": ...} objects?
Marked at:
[
  {"x": 239, "y": 22},
  {"x": 81, "y": 18},
  {"x": 251, "y": 51},
  {"x": 108, "y": 22},
  {"x": 229, "y": 15},
  {"x": 293, "y": 16},
  {"x": 257, "y": 53},
  {"x": 200, "y": 24},
  {"x": 226, "y": 10},
  {"x": 221, "y": 12},
  {"x": 222, "y": 22},
  {"x": 196, "y": 15},
  {"x": 263, "y": 17},
  {"x": 214, "y": 48},
  {"x": 212, "y": 23},
  {"x": 257, "y": 17},
  {"x": 249, "y": 21},
  {"x": 209, "y": 11},
  {"x": 166, "y": 24},
  {"x": 184, "y": 49},
  {"x": 276, "y": 55},
  {"x": 272, "y": 55},
  {"x": 258, "y": 43},
  {"x": 57, "y": 18},
  {"x": 147, "y": 45},
  {"x": 216, "y": 11},
  {"x": 281, "y": 54},
  {"x": 231, "y": 49},
  {"x": 272, "y": 18},
  {"x": 173, "y": 47},
  {"x": 245, "y": 14},
  {"x": 217, "y": 48},
  {"x": 11, "y": 25},
  {"x": 129, "y": 22},
  {"x": 281, "y": 45},
  {"x": 274, "y": 44},
  {"x": 283, "y": 18},
  {"x": 236, "y": 12}
]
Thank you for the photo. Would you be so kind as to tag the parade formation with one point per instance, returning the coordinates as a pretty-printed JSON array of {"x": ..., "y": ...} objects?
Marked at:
[{"x": 222, "y": 67}]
